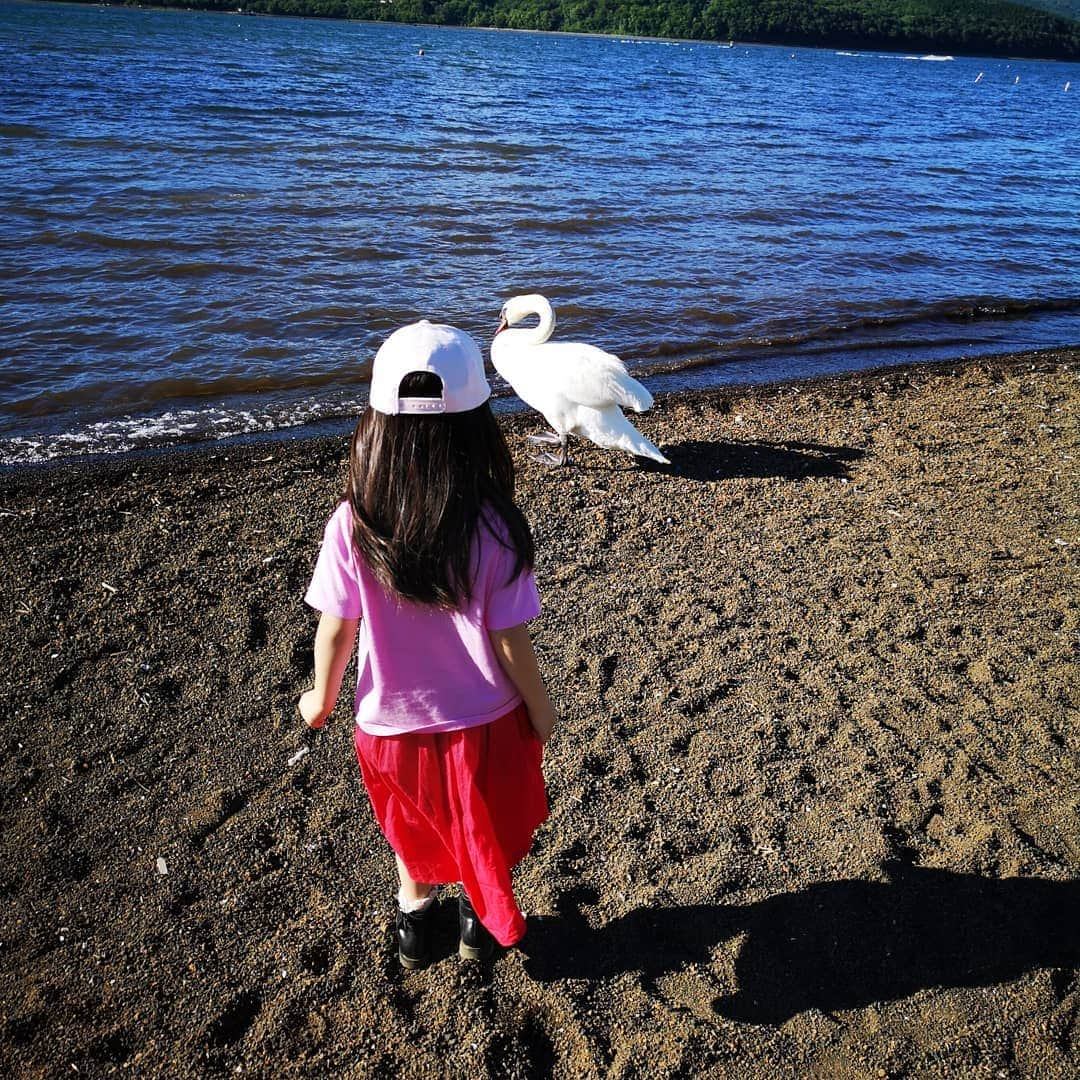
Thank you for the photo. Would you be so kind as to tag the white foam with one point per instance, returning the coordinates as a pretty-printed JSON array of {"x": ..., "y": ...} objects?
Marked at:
[{"x": 126, "y": 433}]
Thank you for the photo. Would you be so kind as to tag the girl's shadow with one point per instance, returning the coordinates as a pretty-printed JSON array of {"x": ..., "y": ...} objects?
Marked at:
[
  {"x": 711, "y": 461},
  {"x": 834, "y": 945}
]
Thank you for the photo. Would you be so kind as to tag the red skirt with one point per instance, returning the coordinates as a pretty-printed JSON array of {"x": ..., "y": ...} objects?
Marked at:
[{"x": 461, "y": 806}]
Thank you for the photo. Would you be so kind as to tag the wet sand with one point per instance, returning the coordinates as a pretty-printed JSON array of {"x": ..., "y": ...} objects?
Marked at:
[{"x": 815, "y": 792}]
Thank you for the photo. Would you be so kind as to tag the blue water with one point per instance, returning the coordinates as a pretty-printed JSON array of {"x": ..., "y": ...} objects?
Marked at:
[{"x": 208, "y": 222}]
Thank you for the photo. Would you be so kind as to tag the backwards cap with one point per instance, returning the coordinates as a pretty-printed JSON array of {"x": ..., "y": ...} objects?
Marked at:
[{"x": 442, "y": 350}]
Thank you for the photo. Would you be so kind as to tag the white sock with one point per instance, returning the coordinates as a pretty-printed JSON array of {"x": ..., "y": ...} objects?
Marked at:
[{"x": 412, "y": 906}]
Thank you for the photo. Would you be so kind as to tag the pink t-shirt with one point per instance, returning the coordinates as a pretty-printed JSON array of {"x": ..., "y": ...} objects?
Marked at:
[{"x": 421, "y": 668}]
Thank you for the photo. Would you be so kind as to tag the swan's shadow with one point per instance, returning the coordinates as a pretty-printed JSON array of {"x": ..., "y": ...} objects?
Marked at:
[
  {"x": 834, "y": 945},
  {"x": 711, "y": 461}
]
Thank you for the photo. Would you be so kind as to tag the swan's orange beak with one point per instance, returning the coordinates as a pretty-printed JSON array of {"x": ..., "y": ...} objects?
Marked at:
[{"x": 503, "y": 324}]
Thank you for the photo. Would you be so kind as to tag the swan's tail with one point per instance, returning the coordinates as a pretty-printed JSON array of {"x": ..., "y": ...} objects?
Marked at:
[
  {"x": 632, "y": 395},
  {"x": 610, "y": 429}
]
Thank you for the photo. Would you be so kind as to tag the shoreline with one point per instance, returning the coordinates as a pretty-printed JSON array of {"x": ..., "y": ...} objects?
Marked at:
[
  {"x": 817, "y": 746},
  {"x": 515, "y": 418}
]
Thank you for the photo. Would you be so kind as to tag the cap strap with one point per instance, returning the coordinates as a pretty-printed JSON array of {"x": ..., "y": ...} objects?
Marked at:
[{"x": 414, "y": 406}]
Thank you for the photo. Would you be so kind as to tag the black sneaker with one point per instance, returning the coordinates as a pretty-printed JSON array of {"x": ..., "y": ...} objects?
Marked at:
[
  {"x": 414, "y": 937},
  {"x": 476, "y": 942}
]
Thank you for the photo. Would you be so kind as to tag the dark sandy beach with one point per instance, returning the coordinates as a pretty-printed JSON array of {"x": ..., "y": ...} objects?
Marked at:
[{"x": 815, "y": 793}]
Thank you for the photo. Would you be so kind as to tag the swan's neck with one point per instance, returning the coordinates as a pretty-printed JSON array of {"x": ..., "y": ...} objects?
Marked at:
[
  {"x": 523, "y": 337},
  {"x": 507, "y": 345},
  {"x": 522, "y": 307},
  {"x": 545, "y": 327}
]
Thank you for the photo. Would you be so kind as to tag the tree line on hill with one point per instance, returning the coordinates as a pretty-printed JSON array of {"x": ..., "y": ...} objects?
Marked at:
[
  {"x": 1067, "y": 9},
  {"x": 984, "y": 27}
]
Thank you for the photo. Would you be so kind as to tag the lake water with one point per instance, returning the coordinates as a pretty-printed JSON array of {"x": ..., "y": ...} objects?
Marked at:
[{"x": 208, "y": 222}]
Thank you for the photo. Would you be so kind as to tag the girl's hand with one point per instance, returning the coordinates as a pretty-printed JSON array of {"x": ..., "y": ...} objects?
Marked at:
[
  {"x": 543, "y": 724},
  {"x": 312, "y": 710},
  {"x": 334, "y": 641},
  {"x": 514, "y": 651}
]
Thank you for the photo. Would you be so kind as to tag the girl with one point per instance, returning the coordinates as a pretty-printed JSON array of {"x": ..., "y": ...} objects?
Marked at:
[{"x": 431, "y": 561}]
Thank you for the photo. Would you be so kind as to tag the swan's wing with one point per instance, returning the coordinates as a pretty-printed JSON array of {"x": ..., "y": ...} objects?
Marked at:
[
  {"x": 588, "y": 376},
  {"x": 609, "y": 428}
]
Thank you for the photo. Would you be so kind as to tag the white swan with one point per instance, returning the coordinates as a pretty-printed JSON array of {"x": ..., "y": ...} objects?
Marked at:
[{"x": 578, "y": 388}]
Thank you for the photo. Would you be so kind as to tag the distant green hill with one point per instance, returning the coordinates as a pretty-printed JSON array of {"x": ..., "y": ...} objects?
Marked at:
[
  {"x": 1067, "y": 9},
  {"x": 984, "y": 27}
]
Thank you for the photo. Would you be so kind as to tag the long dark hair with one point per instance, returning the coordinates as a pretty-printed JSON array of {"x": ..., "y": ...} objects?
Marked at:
[{"x": 419, "y": 487}]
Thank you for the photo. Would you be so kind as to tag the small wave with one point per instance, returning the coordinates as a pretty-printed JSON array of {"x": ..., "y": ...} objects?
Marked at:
[
  {"x": 96, "y": 142},
  {"x": 113, "y": 242},
  {"x": 299, "y": 210},
  {"x": 880, "y": 333},
  {"x": 898, "y": 344},
  {"x": 509, "y": 151},
  {"x": 493, "y": 167},
  {"x": 441, "y": 210},
  {"x": 22, "y": 131},
  {"x": 178, "y": 389},
  {"x": 323, "y": 314},
  {"x": 574, "y": 225},
  {"x": 367, "y": 253},
  {"x": 936, "y": 59},
  {"x": 767, "y": 215},
  {"x": 187, "y": 198},
  {"x": 709, "y": 316},
  {"x": 202, "y": 269},
  {"x": 267, "y": 352},
  {"x": 959, "y": 310}
]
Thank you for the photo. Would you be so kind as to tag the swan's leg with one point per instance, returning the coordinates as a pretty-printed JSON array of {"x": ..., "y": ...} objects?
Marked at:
[
  {"x": 548, "y": 438},
  {"x": 547, "y": 459},
  {"x": 560, "y": 458}
]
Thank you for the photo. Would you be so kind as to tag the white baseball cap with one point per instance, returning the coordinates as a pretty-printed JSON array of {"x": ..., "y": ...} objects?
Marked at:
[{"x": 442, "y": 350}]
